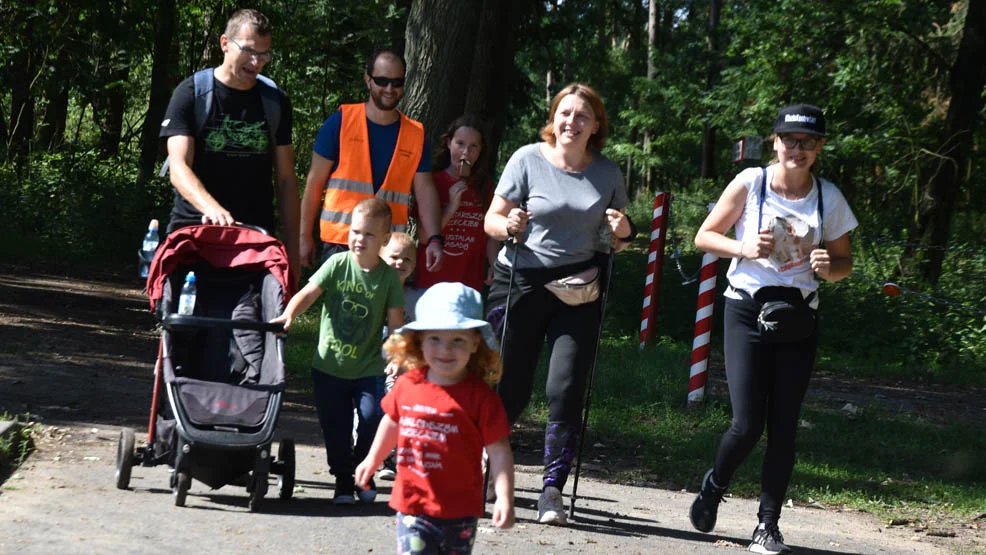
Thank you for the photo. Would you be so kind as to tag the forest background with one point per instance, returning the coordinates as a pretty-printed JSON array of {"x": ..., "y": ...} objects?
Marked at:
[{"x": 86, "y": 84}]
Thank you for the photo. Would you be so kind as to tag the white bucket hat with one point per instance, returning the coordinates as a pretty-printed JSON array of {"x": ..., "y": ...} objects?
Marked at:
[{"x": 451, "y": 306}]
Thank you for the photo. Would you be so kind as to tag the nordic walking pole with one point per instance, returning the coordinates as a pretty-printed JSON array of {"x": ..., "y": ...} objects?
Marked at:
[
  {"x": 592, "y": 380},
  {"x": 503, "y": 330}
]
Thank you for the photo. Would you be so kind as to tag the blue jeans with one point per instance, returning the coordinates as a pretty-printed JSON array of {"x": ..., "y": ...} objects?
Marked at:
[
  {"x": 335, "y": 399},
  {"x": 421, "y": 535}
]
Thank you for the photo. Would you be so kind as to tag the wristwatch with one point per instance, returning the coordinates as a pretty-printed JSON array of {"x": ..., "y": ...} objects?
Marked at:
[
  {"x": 437, "y": 237},
  {"x": 633, "y": 232}
]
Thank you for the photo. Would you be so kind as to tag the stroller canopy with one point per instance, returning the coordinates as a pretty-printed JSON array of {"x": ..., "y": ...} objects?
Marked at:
[{"x": 220, "y": 247}]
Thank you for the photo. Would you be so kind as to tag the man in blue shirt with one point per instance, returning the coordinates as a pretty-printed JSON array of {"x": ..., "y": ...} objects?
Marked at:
[{"x": 337, "y": 170}]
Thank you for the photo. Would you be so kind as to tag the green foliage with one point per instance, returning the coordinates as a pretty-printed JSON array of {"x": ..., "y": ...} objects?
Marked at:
[
  {"x": 73, "y": 207},
  {"x": 17, "y": 445}
]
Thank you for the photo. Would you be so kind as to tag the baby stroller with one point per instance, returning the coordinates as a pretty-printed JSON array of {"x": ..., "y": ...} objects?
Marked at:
[{"x": 219, "y": 374}]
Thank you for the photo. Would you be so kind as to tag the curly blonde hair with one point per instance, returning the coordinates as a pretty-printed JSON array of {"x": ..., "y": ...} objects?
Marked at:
[{"x": 404, "y": 350}]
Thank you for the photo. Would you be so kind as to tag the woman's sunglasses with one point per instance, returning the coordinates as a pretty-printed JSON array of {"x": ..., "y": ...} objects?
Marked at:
[{"x": 806, "y": 143}]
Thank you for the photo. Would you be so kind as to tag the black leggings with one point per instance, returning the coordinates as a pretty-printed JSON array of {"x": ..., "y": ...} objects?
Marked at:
[
  {"x": 767, "y": 384},
  {"x": 571, "y": 333}
]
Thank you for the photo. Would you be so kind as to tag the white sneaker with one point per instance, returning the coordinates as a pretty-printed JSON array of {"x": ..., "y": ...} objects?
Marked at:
[
  {"x": 388, "y": 470},
  {"x": 551, "y": 507}
]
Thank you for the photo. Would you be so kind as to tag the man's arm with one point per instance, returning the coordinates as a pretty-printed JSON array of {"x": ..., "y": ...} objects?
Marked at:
[
  {"x": 289, "y": 205},
  {"x": 429, "y": 212},
  {"x": 181, "y": 154},
  {"x": 311, "y": 203}
]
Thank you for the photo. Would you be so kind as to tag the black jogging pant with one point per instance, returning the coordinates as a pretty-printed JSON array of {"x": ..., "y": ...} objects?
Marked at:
[{"x": 767, "y": 384}]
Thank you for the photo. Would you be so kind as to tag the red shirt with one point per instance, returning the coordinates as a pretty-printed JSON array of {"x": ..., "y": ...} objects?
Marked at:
[
  {"x": 441, "y": 434},
  {"x": 465, "y": 239}
]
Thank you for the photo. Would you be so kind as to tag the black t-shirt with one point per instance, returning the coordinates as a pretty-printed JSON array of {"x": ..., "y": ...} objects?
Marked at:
[{"x": 232, "y": 158}]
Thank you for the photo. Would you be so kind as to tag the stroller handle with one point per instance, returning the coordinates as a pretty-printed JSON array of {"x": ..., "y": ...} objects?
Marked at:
[
  {"x": 185, "y": 222},
  {"x": 179, "y": 321}
]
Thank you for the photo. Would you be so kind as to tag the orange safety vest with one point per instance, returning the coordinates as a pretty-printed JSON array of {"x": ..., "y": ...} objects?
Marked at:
[{"x": 352, "y": 180}]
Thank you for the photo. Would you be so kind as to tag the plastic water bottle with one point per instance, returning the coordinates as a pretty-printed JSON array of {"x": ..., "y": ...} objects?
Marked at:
[
  {"x": 147, "y": 248},
  {"x": 186, "y": 303}
]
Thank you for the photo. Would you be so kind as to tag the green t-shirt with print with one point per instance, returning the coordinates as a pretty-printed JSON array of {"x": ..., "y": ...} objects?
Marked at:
[{"x": 354, "y": 311}]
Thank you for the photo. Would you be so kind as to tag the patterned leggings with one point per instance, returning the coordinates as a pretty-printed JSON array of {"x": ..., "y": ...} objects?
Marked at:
[{"x": 420, "y": 535}]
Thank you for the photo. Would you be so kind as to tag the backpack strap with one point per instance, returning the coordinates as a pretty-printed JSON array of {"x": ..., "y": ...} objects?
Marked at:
[
  {"x": 763, "y": 195},
  {"x": 204, "y": 85},
  {"x": 271, "y": 98},
  {"x": 821, "y": 205},
  {"x": 203, "y": 80}
]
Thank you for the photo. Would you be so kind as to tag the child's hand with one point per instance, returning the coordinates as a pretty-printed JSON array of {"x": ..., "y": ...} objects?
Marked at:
[
  {"x": 455, "y": 195},
  {"x": 392, "y": 369},
  {"x": 364, "y": 472},
  {"x": 503, "y": 513},
  {"x": 282, "y": 319}
]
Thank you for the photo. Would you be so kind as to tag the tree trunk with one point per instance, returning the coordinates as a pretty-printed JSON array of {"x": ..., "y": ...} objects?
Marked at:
[
  {"x": 160, "y": 90},
  {"x": 52, "y": 132},
  {"x": 653, "y": 38},
  {"x": 398, "y": 25},
  {"x": 440, "y": 35},
  {"x": 948, "y": 174},
  {"x": 111, "y": 120},
  {"x": 712, "y": 70},
  {"x": 4, "y": 136},
  {"x": 21, "y": 102},
  {"x": 492, "y": 72}
]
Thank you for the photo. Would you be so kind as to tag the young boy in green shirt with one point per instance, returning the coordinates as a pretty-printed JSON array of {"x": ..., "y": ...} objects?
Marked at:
[{"x": 360, "y": 293}]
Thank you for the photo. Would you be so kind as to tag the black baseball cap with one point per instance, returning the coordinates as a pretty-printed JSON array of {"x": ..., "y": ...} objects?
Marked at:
[{"x": 800, "y": 118}]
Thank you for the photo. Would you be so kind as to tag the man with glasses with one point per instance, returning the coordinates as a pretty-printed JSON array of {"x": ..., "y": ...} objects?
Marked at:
[
  {"x": 229, "y": 134},
  {"x": 370, "y": 150}
]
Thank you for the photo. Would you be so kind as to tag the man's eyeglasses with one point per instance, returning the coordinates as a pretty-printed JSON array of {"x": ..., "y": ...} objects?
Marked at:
[
  {"x": 251, "y": 53},
  {"x": 806, "y": 143},
  {"x": 382, "y": 82}
]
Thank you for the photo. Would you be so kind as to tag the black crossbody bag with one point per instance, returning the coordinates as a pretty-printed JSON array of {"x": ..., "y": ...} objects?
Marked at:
[{"x": 785, "y": 314}]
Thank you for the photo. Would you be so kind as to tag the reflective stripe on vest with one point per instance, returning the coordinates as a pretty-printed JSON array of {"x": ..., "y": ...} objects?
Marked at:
[
  {"x": 347, "y": 219},
  {"x": 352, "y": 180}
]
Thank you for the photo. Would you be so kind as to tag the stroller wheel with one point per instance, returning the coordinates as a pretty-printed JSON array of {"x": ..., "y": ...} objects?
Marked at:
[
  {"x": 124, "y": 458},
  {"x": 182, "y": 482},
  {"x": 257, "y": 490},
  {"x": 286, "y": 466}
]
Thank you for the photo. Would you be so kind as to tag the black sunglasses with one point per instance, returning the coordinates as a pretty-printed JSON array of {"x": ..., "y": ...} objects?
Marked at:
[
  {"x": 807, "y": 143},
  {"x": 382, "y": 82}
]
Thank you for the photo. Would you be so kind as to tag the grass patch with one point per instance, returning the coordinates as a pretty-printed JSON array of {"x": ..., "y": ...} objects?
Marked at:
[{"x": 16, "y": 445}]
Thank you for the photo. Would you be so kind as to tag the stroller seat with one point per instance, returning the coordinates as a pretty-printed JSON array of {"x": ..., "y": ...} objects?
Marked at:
[
  {"x": 225, "y": 377},
  {"x": 224, "y": 405}
]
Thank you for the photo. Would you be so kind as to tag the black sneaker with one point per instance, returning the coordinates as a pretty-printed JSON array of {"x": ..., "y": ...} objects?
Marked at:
[
  {"x": 344, "y": 492},
  {"x": 705, "y": 508},
  {"x": 767, "y": 539}
]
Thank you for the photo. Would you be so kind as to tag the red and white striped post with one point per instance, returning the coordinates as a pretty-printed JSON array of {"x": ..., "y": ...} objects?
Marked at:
[
  {"x": 698, "y": 374},
  {"x": 655, "y": 263}
]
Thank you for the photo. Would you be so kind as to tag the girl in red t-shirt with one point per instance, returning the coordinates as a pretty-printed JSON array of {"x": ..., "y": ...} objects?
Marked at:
[
  {"x": 441, "y": 415},
  {"x": 464, "y": 189}
]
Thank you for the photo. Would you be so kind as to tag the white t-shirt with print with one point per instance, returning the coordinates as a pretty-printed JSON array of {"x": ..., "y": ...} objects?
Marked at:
[{"x": 795, "y": 225}]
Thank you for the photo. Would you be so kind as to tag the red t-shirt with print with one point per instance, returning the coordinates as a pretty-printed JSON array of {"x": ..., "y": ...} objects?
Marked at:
[
  {"x": 441, "y": 434},
  {"x": 465, "y": 239}
]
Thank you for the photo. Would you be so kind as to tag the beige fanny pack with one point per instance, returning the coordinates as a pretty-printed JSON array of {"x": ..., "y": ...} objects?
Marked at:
[{"x": 576, "y": 289}]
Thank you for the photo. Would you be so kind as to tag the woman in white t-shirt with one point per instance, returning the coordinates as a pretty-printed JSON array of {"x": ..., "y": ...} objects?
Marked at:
[{"x": 791, "y": 228}]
